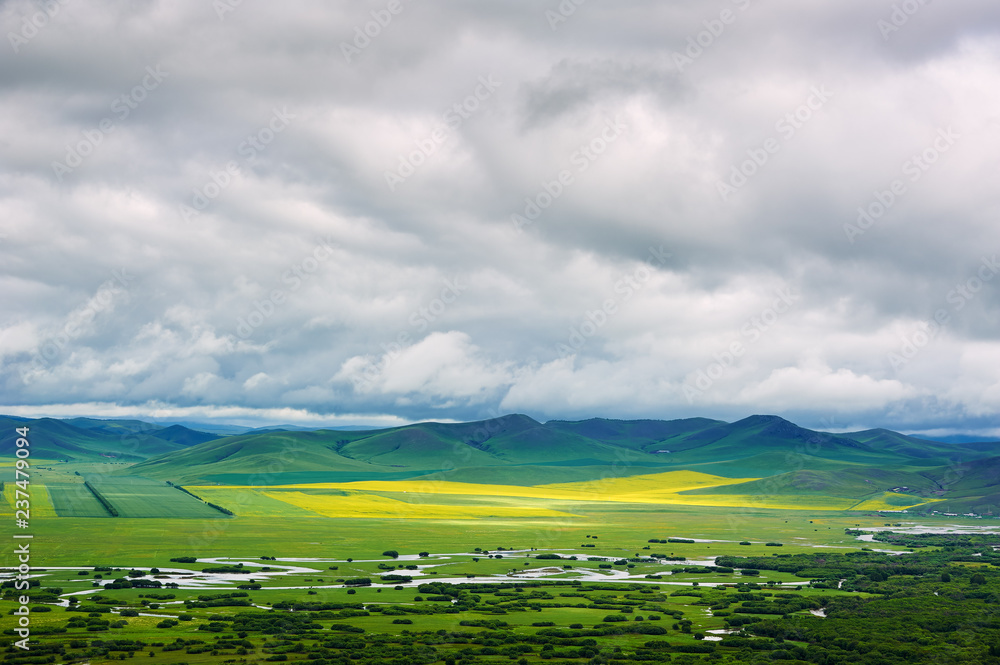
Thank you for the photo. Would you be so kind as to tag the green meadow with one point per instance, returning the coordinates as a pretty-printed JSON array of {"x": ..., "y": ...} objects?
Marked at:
[{"x": 597, "y": 543}]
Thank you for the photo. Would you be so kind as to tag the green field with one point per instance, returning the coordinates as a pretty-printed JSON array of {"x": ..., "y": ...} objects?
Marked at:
[
  {"x": 141, "y": 497},
  {"x": 594, "y": 543},
  {"x": 75, "y": 500},
  {"x": 486, "y": 604}
]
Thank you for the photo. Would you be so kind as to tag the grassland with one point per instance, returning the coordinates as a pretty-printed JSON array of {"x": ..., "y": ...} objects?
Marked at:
[
  {"x": 75, "y": 500},
  {"x": 530, "y": 601},
  {"x": 321, "y": 535},
  {"x": 141, "y": 497},
  {"x": 634, "y": 538}
]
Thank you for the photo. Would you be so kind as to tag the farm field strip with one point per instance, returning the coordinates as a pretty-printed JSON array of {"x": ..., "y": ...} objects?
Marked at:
[
  {"x": 75, "y": 500},
  {"x": 139, "y": 497},
  {"x": 40, "y": 501}
]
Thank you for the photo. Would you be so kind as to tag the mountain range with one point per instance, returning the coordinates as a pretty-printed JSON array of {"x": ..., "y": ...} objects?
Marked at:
[{"x": 517, "y": 450}]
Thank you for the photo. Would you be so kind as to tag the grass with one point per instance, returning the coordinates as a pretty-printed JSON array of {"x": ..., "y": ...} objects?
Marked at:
[
  {"x": 621, "y": 529},
  {"x": 140, "y": 497},
  {"x": 615, "y": 530},
  {"x": 39, "y": 500},
  {"x": 75, "y": 500}
]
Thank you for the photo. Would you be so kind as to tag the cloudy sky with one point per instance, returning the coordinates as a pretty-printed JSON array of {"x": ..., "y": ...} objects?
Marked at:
[{"x": 395, "y": 210}]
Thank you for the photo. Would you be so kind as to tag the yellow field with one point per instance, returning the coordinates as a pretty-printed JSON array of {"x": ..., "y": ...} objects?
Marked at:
[
  {"x": 652, "y": 488},
  {"x": 368, "y": 505},
  {"x": 883, "y": 503},
  {"x": 41, "y": 504},
  {"x": 453, "y": 500}
]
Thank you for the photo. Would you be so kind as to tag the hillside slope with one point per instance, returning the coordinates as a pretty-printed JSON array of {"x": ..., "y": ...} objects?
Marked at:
[{"x": 59, "y": 440}]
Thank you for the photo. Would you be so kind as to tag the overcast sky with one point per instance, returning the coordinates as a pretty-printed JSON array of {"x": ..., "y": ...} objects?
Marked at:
[{"x": 396, "y": 210}]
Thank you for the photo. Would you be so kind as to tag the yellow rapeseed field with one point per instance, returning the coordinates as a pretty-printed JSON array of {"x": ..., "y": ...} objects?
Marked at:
[
  {"x": 651, "y": 488},
  {"x": 39, "y": 501},
  {"x": 901, "y": 501},
  {"x": 415, "y": 499},
  {"x": 372, "y": 506}
]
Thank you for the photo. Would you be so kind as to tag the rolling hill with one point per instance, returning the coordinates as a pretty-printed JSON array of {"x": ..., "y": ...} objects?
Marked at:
[
  {"x": 516, "y": 450},
  {"x": 88, "y": 439}
]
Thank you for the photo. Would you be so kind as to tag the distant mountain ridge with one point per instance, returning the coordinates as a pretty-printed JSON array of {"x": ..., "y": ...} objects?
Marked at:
[
  {"x": 516, "y": 449},
  {"x": 90, "y": 439}
]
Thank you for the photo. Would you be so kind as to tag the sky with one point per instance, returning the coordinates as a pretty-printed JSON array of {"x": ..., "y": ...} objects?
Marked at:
[{"x": 379, "y": 212}]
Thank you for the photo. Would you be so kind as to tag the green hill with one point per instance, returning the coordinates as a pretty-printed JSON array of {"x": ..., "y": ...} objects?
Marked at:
[
  {"x": 59, "y": 440},
  {"x": 510, "y": 443},
  {"x": 518, "y": 450},
  {"x": 644, "y": 434}
]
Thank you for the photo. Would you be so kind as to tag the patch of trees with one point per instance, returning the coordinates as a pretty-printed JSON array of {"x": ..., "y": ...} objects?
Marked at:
[
  {"x": 358, "y": 581},
  {"x": 271, "y": 623},
  {"x": 234, "y": 599},
  {"x": 224, "y": 511}
]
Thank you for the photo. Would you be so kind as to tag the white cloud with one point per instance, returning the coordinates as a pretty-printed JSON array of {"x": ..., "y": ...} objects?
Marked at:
[
  {"x": 817, "y": 386},
  {"x": 173, "y": 335}
]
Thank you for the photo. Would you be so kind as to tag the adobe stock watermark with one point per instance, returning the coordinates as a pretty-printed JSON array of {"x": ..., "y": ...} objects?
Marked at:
[
  {"x": 914, "y": 168},
  {"x": 451, "y": 120},
  {"x": 293, "y": 279},
  {"x": 562, "y": 13},
  {"x": 73, "y": 328},
  {"x": 698, "y": 43},
  {"x": 582, "y": 159},
  {"x": 749, "y": 333},
  {"x": 958, "y": 297},
  {"x": 224, "y": 7},
  {"x": 249, "y": 148},
  {"x": 32, "y": 24},
  {"x": 899, "y": 17},
  {"x": 420, "y": 320},
  {"x": 625, "y": 288},
  {"x": 122, "y": 108},
  {"x": 364, "y": 34},
  {"x": 786, "y": 126}
]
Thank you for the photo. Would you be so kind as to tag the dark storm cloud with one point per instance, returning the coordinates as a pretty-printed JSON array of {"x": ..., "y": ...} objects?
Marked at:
[{"x": 323, "y": 211}]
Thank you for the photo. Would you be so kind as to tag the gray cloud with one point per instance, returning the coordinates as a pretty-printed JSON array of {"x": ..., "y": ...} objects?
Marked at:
[{"x": 243, "y": 181}]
